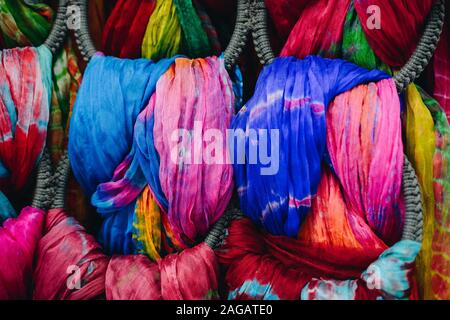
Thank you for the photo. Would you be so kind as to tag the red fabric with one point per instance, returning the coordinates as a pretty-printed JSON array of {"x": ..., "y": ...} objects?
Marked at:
[
  {"x": 285, "y": 14},
  {"x": 318, "y": 31},
  {"x": 189, "y": 275},
  {"x": 402, "y": 25},
  {"x": 441, "y": 68},
  {"x": 64, "y": 244},
  {"x": 18, "y": 239},
  {"x": 125, "y": 28}
]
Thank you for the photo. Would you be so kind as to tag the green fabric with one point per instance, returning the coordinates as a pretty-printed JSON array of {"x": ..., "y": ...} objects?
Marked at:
[
  {"x": 195, "y": 41},
  {"x": 355, "y": 47}
]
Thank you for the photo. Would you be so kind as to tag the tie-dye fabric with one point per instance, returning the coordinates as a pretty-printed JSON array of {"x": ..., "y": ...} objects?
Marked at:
[
  {"x": 318, "y": 30},
  {"x": 364, "y": 139},
  {"x": 291, "y": 97},
  {"x": 434, "y": 267},
  {"x": 24, "y": 24},
  {"x": 101, "y": 137},
  {"x": 6, "y": 209},
  {"x": 25, "y": 88}
]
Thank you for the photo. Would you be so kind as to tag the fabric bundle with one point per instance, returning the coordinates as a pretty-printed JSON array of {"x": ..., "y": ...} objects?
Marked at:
[
  {"x": 19, "y": 238},
  {"x": 350, "y": 216},
  {"x": 159, "y": 101},
  {"x": 25, "y": 24},
  {"x": 71, "y": 266},
  {"x": 291, "y": 97},
  {"x": 25, "y": 89}
]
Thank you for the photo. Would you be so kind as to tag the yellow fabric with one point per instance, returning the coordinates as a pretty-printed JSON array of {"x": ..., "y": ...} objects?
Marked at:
[
  {"x": 420, "y": 148},
  {"x": 148, "y": 225},
  {"x": 163, "y": 34}
]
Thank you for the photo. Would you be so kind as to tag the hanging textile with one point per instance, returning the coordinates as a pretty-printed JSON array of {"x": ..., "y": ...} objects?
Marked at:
[
  {"x": 19, "y": 238},
  {"x": 433, "y": 267},
  {"x": 29, "y": 25},
  {"x": 125, "y": 28},
  {"x": 191, "y": 274},
  {"x": 25, "y": 88},
  {"x": 393, "y": 28},
  {"x": 291, "y": 96},
  {"x": 318, "y": 30}
]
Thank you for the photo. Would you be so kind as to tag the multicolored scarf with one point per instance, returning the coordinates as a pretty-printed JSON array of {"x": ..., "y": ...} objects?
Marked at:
[
  {"x": 192, "y": 274},
  {"x": 138, "y": 146},
  {"x": 25, "y": 88},
  {"x": 291, "y": 97},
  {"x": 24, "y": 24}
]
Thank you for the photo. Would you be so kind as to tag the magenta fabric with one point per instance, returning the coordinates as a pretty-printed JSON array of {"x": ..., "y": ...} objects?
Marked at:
[{"x": 18, "y": 241}]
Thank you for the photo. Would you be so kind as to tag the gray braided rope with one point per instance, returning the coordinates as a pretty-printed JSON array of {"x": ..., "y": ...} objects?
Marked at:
[
  {"x": 219, "y": 231},
  {"x": 413, "y": 228},
  {"x": 425, "y": 48},
  {"x": 240, "y": 34},
  {"x": 82, "y": 35},
  {"x": 43, "y": 190},
  {"x": 59, "y": 29},
  {"x": 60, "y": 180},
  {"x": 258, "y": 18}
]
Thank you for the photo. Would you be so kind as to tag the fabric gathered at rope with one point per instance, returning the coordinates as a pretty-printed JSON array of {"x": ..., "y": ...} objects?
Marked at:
[
  {"x": 354, "y": 215},
  {"x": 191, "y": 274},
  {"x": 291, "y": 96},
  {"x": 19, "y": 239},
  {"x": 122, "y": 140},
  {"x": 25, "y": 89}
]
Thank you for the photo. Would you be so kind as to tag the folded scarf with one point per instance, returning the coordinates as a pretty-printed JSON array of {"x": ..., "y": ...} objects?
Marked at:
[
  {"x": 71, "y": 266},
  {"x": 25, "y": 88},
  {"x": 401, "y": 26},
  {"x": 291, "y": 97},
  {"x": 125, "y": 28},
  {"x": 19, "y": 238}
]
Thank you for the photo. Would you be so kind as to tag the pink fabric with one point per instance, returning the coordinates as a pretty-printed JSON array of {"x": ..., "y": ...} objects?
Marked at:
[
  {"x": 441, "y": 68},
  {"x": 364, "y": 140},
  {"x": 64, "y": 247},
  {"x": 194, "y": 98},
  {"x": 189, "y": 275},
  {"x": 18, "y": 238}
]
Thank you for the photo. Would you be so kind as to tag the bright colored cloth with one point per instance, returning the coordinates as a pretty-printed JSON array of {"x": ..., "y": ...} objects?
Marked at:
[
  {"x": 318, "y": 30},
  {"x": 291, "y": 97},
  {"x": 25, "y": 88},
  {"x": 19, "y": 239},
  {"x": 125, "y": 28},
  {"x": 364, "y": 141},
  {"x": 401, "y": 25}
]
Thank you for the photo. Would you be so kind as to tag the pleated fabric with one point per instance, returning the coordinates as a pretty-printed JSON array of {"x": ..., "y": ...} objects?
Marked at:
[
  {"x": 19, "y": 239},
  {"x": 125, "y": 28},
  {"x": 291, "y": 98},
  {"x": 25, "y": 89}
]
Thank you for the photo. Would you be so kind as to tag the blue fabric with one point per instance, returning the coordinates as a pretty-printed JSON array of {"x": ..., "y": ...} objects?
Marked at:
[
  {"x": 6, "y": 209},
  {"x": 291, "y": 96},
  {"x": 112, "y": 94}
]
